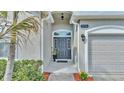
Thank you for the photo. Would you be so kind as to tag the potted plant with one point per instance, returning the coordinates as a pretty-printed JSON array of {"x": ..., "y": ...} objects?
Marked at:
[
  {"x": 54, "y": 54},
  {"x": 46, "y": 75},
  {"x": 83, "y": 76},
  {"x": 76, "y": 76}
]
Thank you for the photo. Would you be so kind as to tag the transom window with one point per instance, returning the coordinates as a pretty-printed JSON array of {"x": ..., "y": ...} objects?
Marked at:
[{"x": 62, "y": 33}]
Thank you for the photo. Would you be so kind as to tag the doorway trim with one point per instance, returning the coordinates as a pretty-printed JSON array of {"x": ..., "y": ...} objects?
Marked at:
[{"x": 62, "y": 30}]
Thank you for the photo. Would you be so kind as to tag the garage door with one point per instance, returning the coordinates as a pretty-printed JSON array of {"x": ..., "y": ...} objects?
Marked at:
[{"x": 106, "y": 53}]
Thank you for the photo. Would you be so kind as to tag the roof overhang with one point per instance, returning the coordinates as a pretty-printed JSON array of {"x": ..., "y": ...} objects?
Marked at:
[{"x": 86, "y": 15}]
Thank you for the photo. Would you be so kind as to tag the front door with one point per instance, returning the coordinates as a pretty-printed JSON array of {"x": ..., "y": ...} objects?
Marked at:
[{"x": 63, "y": 45}]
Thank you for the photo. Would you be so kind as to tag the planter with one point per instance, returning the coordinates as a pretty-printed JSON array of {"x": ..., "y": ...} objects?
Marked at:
[
  {"x": 46, "y": 75},
  {"x": 77, "y": 78},
  {"x": 89, "y": 79}
]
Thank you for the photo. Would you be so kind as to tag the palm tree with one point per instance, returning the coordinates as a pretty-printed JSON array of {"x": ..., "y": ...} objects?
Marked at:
[{"x": 15, "y": 30}]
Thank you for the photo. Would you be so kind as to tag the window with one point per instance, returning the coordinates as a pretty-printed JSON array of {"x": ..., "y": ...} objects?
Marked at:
[
  {"x": 4, "y": 46},
  {"x": 69, "y": 33},
  {"x": 62, "y": 33},
  {"x": 55, "y": 43},
  {"x": 56, "y": 33},
  {"x": 69, "y": 43}
]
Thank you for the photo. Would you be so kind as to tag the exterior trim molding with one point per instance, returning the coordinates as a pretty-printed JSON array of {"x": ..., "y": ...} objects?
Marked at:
[{"x": 105, "y": 27}]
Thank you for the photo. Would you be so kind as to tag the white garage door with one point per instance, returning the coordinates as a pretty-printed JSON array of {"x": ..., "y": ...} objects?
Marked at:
[{"x": 106, "y": 53}]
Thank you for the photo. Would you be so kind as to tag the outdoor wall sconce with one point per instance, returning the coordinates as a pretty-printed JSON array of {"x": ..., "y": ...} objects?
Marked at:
[
  {"x": 62, "y": 16},
  {"x": 83, "y": 37}
]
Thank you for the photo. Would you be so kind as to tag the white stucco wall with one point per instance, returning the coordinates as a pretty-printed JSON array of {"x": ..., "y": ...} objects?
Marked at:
[
  {"x": 31, "y": 49},
  {"x": 61, "y": 26},
  {"x": 47, "y": 41}
]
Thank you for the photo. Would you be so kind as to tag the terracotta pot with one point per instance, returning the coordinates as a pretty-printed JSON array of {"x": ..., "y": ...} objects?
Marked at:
[
  {"x": 77, "y": 77},
  {"x": 89, "y": 79},
  {"x": 46, "y": 75}
]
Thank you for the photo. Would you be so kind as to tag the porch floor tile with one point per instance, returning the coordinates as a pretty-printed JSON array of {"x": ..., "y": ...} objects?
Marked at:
[
  {"x": 61, "y": 77},
  {"x": 54, "y": 67}
]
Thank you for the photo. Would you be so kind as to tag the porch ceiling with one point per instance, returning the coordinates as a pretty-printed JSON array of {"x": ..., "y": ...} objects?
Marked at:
[{"x": 57, "y": 16}]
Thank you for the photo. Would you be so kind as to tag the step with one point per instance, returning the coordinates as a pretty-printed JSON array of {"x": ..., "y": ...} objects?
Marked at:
[{"x": 61, "y": 77}]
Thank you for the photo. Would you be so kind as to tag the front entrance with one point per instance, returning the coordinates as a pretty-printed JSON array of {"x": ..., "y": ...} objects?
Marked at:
[
  {"x": 62, "y": 42},
  {"x": 63, "y": 45}
]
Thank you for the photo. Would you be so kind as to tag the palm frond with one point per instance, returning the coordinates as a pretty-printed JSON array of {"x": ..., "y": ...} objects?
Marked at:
[
  {"x": 3, "y": 14},
  {"x": 30, "y": 24},
  {"x": 22, "y": 29}
]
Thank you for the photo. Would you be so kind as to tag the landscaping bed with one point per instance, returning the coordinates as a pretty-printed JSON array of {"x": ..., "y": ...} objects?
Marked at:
[{"x": 24, "y": 70}]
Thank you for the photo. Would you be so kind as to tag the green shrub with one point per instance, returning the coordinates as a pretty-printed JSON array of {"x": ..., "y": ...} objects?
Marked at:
[
  {"x": 25, "y": 70},
  {"x": 83, "y": 75},
  {"x": 2, "y": 68}
]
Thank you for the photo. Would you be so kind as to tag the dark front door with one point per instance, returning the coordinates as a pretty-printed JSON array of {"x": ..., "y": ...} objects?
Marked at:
[{"x": 63, "y": 45}]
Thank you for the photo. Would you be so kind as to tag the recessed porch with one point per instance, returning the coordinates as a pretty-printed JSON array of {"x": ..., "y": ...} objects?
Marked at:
[{"x": 59, "y": 44}]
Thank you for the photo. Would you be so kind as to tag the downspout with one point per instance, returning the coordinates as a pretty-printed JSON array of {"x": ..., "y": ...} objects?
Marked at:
[
  {"x": 77, "y": 29},
  {"x": 42, "y": 25}
]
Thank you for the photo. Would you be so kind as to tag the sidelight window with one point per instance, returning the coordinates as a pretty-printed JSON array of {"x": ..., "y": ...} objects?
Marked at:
[{"x": 69, "y": 43}]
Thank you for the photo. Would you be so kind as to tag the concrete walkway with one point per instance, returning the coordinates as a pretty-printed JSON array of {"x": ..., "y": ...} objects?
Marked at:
[
  {"x": 55, "y": 67},
  {"x": 61, "y": 77}
]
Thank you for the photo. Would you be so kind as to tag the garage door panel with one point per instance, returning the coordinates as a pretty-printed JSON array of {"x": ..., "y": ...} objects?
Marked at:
[
  {"x": 99, "y": 62},
  {"x": 106, "y": 68},
  {"x": 112, "y": 46},
  {"x": 106, "y": 53},
  {"x": 103, "y": 56},
  {"x": 106, "y": 48}
]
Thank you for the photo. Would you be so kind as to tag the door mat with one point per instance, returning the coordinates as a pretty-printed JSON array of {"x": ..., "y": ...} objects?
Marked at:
[{"x": 62, "y": 61}]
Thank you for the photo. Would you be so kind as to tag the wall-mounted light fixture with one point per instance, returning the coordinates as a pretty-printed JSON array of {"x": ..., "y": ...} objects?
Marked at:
[
  {"x": 83, "y": 37},
  {"x": 62, "y": 16}
]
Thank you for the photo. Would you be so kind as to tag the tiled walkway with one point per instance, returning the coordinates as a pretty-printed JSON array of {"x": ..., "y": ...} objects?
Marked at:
[
  {"x": 60, "y": 68},
  {"x": 61, "y": 77}
]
